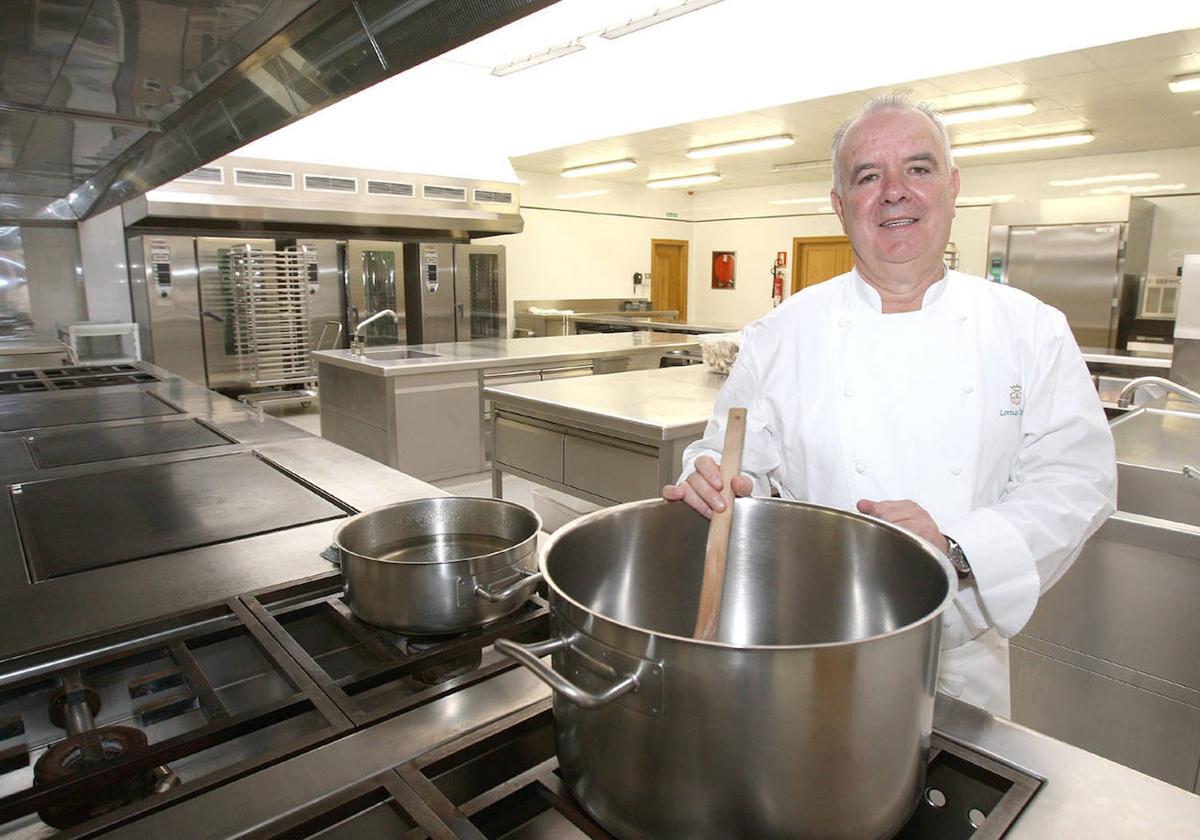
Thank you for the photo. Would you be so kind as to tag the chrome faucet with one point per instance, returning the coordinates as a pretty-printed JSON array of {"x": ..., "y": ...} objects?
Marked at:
[
  {"x": 1126, "y": 395},
  {"x": 358, "y": 342}
]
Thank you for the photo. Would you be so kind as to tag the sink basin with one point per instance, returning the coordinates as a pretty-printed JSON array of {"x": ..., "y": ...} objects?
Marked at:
[
  {"x": 399, "y": 353},
  {"x": 1157, "y": 492}
]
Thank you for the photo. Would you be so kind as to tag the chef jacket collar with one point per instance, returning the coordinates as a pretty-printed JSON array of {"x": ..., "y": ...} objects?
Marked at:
[{"x": 865, "y": 294}]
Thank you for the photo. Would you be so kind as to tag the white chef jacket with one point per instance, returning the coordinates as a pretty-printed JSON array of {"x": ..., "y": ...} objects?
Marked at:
[{"x": 978, "y": 407}]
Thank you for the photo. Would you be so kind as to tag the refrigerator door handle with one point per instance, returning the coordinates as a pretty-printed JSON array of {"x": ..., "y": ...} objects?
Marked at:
[{"x": 459, "y": 307}]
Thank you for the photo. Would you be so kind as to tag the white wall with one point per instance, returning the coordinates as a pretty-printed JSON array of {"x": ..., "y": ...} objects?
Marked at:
[
  {"x": 756, "y": 224},
  {"x": 588, "y": 246}
]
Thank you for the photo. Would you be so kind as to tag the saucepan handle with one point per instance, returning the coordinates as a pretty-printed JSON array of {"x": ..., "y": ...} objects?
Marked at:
[
  {"x": 531, "y": 657},
  {"x": 528, "y": 583}
]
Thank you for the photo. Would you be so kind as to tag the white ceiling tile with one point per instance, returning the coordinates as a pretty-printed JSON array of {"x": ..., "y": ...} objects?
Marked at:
[
  {"x": 1050, "y": 66},
  {"x": 1139, "y": 50},
  {"x": 1095, "y": 80}
]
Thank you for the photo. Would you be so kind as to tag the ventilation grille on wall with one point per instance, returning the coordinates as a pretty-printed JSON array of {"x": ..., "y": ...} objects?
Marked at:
[
  {"x": 444, "y": 193},
  {"x": 492, "y": 197},
  {"x": 328, "y": 183},
  {"x": 258, "y": 178},
  {"x": 205, "y": 175},
  {"x": 390, "y": 188}
]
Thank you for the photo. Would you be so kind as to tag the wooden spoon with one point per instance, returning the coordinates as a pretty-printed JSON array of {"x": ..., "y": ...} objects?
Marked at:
[{"x": 717, "y": 549}]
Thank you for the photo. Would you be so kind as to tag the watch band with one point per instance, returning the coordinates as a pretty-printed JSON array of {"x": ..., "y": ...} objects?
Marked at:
[{"x": 958, "y": 559}]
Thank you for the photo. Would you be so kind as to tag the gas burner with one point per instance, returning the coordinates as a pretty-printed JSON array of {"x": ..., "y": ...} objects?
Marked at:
[
  {"x": 89, "y": 752},
  {"x": 446, "y": 669},
  {"x": 372, "y": 673},
  {"x": 155, "y": 712}
]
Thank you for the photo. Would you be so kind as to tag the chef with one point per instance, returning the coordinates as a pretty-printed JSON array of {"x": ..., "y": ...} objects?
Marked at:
[{"x": 955, "y": 407}]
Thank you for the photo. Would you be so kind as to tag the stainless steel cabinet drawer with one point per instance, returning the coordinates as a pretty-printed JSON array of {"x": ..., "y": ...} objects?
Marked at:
[
  {"x": 616, "y": 471},
  {"x": 531, "y": 447}
]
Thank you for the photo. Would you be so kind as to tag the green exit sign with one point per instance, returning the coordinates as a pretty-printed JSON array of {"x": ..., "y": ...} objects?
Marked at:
[{"x": 672, "y": 215}]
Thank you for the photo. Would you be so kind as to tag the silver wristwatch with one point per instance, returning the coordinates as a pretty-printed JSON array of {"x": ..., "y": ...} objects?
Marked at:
[{"x": 958, "y": 559}]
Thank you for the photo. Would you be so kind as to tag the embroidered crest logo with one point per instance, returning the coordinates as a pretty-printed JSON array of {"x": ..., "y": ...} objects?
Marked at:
[{"x": 1014, "y": 395}]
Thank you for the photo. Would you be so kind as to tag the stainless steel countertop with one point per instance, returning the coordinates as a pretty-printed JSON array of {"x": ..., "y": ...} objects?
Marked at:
[
  {"x": 467, "y": 355},
  {"x": 34, "y": 616},
  {"x": 1126, "y": 358},
  {"x": 648, "y": 322},
  {"x": 658, "y": 404},
  {"x": 31, "y": 345},
  {"x": 1084, "y": 796}
]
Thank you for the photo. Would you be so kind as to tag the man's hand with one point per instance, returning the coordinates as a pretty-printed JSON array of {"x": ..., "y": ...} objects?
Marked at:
[
  {"x": 702, "y": 489},
  {"x": 907, "y": 514}
]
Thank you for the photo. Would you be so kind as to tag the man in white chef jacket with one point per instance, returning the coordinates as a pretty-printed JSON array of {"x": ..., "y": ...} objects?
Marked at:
[{"x": 955, "y": 407}]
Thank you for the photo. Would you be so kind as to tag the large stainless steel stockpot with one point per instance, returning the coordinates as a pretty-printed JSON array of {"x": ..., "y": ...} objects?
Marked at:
[
  {"x": 440, "y": 565},
  {"x": 810, "y": 715}
]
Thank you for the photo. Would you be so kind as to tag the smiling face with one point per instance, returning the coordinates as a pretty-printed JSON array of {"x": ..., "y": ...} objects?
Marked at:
[{"x": 897, "y": 196}]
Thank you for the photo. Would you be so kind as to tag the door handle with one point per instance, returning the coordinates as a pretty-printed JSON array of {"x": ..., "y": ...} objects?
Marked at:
[{"x": 460, "y": 307}]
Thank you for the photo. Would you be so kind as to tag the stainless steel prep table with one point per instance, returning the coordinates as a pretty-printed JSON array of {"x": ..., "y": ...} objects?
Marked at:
[
  {"x": 1084, "y": 796},
  {"x": 420, "y": 409},
  {"x": 658, "y": 324},
  {"x": 117, "y": 555},
  {"x": 613, "y": 439}
]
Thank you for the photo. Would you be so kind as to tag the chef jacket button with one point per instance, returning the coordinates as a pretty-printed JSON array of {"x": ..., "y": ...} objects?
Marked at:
[
  {"x": 968, "y": 388},
  {"x": 860, "y": 467},
  {"x": 849, "y": 392},
  {"x": 956, "y": 470},
  {"x": 962, "y": 318},
  {"x": 844, "y": 322}
]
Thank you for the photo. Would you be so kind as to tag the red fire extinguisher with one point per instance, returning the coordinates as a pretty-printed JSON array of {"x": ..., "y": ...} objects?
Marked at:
[{"x": 777, "y": 274}]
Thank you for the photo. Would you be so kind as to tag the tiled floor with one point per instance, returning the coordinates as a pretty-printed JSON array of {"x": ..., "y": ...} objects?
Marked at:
[{"x": 555, "y": 508}]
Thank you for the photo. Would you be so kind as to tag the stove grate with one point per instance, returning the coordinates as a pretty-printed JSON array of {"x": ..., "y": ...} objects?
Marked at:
[{"x": 502, "y": 781}]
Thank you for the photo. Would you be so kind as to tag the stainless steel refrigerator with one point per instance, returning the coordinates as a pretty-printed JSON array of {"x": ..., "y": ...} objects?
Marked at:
[
  {"x": 1085, "y": 257},
  {"x": 166, "y": 303},
  {"x": 455, "y": 292},
  {"x": 375, "y": 282}
]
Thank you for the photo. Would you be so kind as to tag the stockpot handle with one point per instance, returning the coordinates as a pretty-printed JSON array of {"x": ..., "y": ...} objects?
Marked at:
[
  {"x": 529, "y": 583},
  {"x": 531, "y": 657}
]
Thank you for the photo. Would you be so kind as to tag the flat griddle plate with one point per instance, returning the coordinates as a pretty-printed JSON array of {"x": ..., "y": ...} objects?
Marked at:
[
  {"x": 73, "y": 524},
  {"x": 36, "y": 411},
  {"x": 89, "y": 444}
]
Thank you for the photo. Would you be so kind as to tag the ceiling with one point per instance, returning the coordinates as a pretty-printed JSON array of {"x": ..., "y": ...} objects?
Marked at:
[
  {"x": 1118, "y": 91},
  {"x": 672, "y": 84},
  {"x": 101, "y": 100}
]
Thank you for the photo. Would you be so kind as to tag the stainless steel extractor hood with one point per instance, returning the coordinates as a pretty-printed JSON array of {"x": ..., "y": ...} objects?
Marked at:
[
  {"x": 101, "y": 101},
  {"x": 240, "y": 194}
]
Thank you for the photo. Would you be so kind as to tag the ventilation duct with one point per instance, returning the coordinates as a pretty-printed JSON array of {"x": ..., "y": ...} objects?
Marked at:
[
  {"x": 262, "y": 198},
  {"x": 240, "y": 70}
]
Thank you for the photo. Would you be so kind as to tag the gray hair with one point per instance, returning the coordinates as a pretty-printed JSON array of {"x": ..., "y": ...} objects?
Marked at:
[{"x": 886, "y": 102}]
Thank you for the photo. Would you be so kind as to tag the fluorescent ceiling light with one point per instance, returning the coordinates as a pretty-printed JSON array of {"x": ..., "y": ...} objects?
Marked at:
[
  {"x": 1105, "y": 179},
  {"x": 799, "y": 165},
  {"x": 1144, "y": 188},
  {"x": 987, "y": 112},
  {"x": 964, "y": 201},
  {"x": 583, "y": 194},
  {"x": 657, "y": 17},
  {"x": 684, "y": 181},
  {"x": 1024, "y": 144},
  {"x": 599, "y": 168},
  {"x": 741, "y": 147},
  {"x": 1183, "y": 84},
  {"x": 817, "y": 200},
  {"x": 536, "y": 59}
]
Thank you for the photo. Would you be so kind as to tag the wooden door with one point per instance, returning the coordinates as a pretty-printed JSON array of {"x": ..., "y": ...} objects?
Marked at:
[
  {"x": 669, "y": 275},
  {"x": 818, "y": 258}
]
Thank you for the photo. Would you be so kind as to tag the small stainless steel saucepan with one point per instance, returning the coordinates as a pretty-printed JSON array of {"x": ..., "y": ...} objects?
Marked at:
[{"x": 441, "y": 565}]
